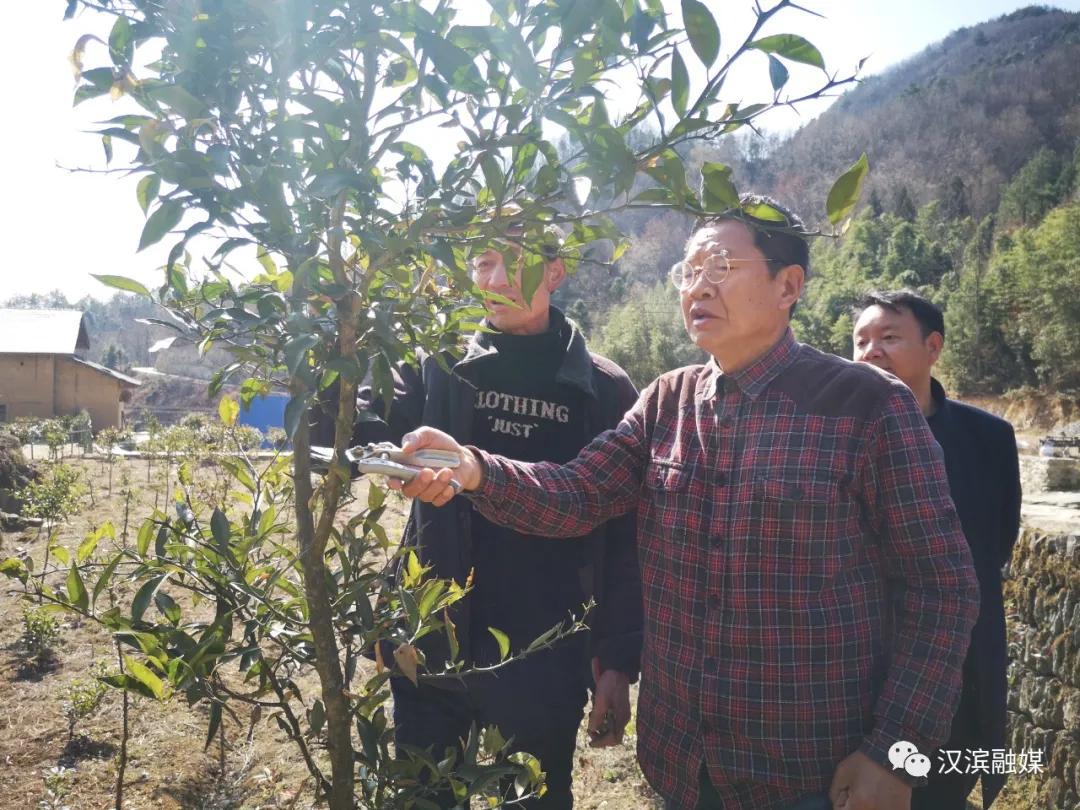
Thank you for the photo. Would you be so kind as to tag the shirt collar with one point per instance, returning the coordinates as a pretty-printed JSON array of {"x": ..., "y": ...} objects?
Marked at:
[
  {"x": 941, "y": 403},
  {"x": 753, "y": 379}
]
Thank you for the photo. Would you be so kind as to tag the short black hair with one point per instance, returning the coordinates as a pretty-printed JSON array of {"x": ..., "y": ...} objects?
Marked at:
[
  {"x": 926, "y": 312},
  {"x": 782, "y": 243}
]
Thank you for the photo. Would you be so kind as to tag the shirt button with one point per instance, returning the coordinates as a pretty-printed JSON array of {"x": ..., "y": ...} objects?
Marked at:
[
  {"x": 721, "y": 479},
  {"x": 714, "y": 601},
  {"x": 716, "y": 542}
]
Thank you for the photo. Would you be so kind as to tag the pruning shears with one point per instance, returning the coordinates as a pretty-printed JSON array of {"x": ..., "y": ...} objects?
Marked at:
[{"x": 386, "y": 458}]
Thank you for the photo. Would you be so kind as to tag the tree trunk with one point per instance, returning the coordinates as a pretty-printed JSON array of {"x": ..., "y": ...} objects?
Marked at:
[{"x": 321, "y": 622}]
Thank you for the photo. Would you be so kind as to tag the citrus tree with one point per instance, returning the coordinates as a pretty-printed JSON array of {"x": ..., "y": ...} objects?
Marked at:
[{"x": 360, "y": 151}]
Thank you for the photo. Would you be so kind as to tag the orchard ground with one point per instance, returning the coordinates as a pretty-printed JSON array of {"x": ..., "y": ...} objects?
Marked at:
[{"x": 257, "y": 767}]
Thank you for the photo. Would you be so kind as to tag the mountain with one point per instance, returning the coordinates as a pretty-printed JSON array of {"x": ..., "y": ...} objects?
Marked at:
[
  {"x": 973, "y": 199},
  {"x": 975, "y": 106}
]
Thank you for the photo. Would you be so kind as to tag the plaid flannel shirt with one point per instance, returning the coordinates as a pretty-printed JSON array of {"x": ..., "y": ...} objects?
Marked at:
[{"x": 808, "y": 591}]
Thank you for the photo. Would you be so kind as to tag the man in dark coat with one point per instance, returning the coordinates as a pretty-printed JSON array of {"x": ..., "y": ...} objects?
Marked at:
[
  {"x": 903, "y": 333},
  {"x": 532, "y": 390}
]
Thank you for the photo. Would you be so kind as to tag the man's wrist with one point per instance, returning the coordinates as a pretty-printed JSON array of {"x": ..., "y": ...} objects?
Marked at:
[{"x": 476, "y": 468}]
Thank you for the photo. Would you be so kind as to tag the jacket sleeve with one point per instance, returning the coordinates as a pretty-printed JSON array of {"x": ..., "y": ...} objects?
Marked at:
[
  {"x": 571, "y": 499},
  {"x": 934, "y": 592},
  {"x": 617, "y": 628},
  {"x": 1011, "y": 495}
]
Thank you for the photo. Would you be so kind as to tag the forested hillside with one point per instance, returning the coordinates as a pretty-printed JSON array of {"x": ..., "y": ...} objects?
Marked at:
[{"x": 972, "y": 198}]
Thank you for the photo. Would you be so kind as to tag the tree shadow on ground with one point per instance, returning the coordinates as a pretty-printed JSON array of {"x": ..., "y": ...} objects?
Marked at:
[
  {"x": 34, "y": 668},
  {"x": 82, "y": 747},
  {"x": 205, "y": 791}
]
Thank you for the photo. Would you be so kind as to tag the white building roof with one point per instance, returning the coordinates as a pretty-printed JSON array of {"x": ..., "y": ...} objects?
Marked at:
[{"x": 42, "y": 331}]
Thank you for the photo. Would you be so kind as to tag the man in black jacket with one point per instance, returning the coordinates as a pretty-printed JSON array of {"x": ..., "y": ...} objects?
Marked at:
[
  {"x": 903, "y": 333},
  {"x": 530, "y": 390}
]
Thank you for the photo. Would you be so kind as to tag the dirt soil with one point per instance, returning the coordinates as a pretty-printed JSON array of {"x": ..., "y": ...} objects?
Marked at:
[
  {"x": 1031, "y": 412},
  {"x": 168, "y": 766}
]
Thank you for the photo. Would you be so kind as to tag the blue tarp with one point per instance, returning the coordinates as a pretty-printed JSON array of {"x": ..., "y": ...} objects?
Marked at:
[{"x": 265, "y": 412}]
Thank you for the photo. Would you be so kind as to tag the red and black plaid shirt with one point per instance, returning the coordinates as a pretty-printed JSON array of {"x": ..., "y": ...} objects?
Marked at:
[{"x": 808, "y": 591}]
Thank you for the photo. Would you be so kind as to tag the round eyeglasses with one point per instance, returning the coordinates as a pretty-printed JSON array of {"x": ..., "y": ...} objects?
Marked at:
[{"x": 716, "y": 268}]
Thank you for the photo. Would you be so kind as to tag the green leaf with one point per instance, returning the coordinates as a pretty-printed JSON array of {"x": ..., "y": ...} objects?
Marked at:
[
  {"x": 219, "y": 527},
  {"x": 228, "y": 410},
  {"x": 168, "y": 607},
  {"x": 718, "y": 193},
  {"x": 504, "y": 642},
  {"x": 215, "y": 723},
  {"x": 121, "y": 41},
  {"x": 765, "y": 212},
  {"x": 702, "y": 31},
  {"x": 330, "y": 183},
  {"x": 790, "y": 46},
  {"x": 296, "y": 351},
  {"x": 146, "y": 534},
  {"x": 77, "y": 594},
  {"x": 145, "y": 594},
  {"x": 451, "y": 636},
  {"x": 90, "y": 544},
  {"x": 266, "y": 260},
  {"x": 179, "y": 99},
  {"x": 432, "y": 591},
  {"x": 844, "y": 194},
  {"x": 14, "y": 568},
  {"x": 413, "y": 570},
  {"x": 294, "y": 411},
  {"x": 147, "y": 191},
  {"x": 680, "y": 84},
  {"x": 122, "y": 283},
  {"x": 317, "y": 717},
  {"x": 106, "y": 577},
  {"x": 493, "y": 175},
  {"x": 164, "y": 219},
  {"x": 143, "y": 675},
  {"x": 576, "y": 19},
  {"x": 654, "y": 195},
  {"x": 452, "y": 63},
  {"x": 778, "y": 74}
]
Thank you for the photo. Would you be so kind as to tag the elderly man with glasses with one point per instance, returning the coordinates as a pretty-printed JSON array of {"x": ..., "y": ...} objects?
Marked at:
[{"x": 808, "y": 591}]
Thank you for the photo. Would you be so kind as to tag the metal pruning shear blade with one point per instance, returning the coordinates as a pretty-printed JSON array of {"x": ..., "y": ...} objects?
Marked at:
[{"x": 386, "y": 458}]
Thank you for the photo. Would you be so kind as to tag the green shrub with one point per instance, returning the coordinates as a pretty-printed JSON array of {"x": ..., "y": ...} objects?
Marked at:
[{"x": 41, "y": 632}]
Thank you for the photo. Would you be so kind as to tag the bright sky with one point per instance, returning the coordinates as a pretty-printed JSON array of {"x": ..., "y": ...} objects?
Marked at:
[{"x": 60, "y": 226}]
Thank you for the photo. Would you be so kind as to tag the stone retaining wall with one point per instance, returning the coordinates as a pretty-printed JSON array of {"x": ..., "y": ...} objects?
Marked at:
[
  {"x": 1042, "y": 592},
  {"x": 1039, "y": 474}
]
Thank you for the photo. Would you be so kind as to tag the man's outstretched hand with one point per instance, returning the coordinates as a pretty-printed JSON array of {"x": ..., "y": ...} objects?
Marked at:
[{"x": 433, "y": 486}]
